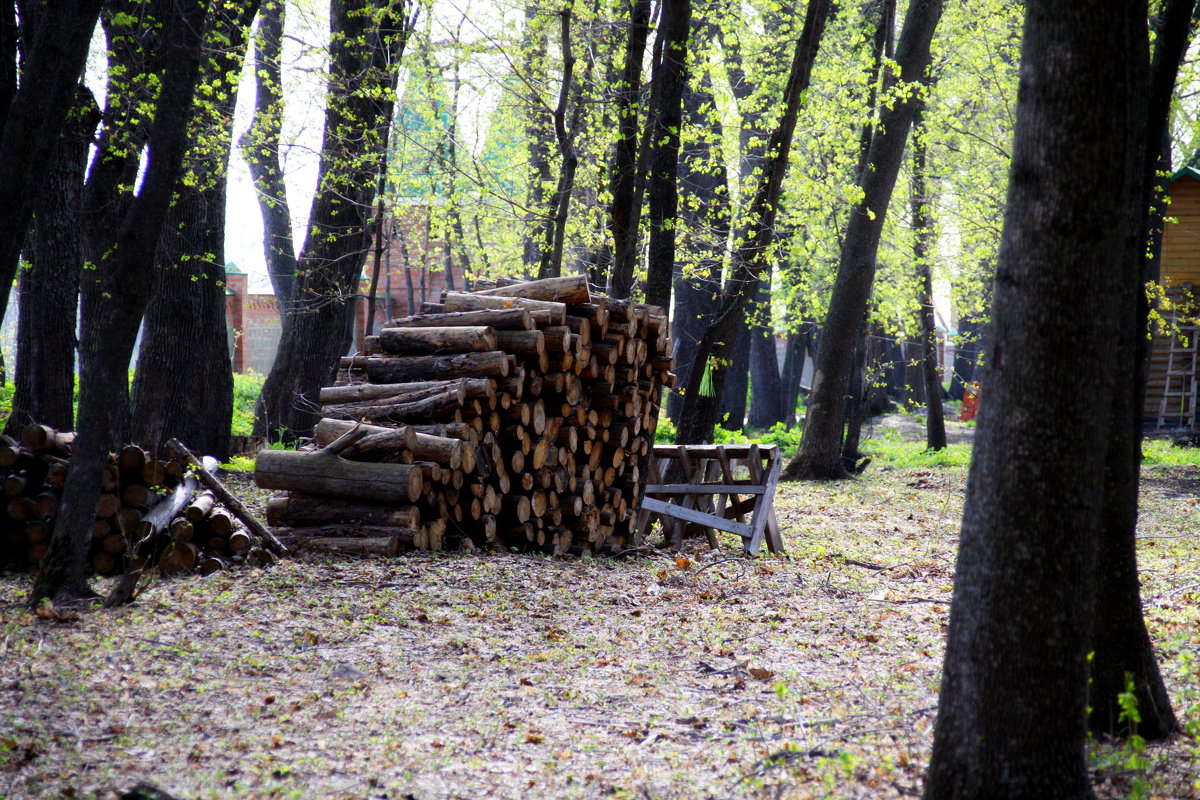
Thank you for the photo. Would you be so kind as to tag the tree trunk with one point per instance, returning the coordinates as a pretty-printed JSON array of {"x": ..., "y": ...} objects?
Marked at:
[
  {"x": 186, "y": 393},
  {"x": 705, "y": 212},
  {"x": 125, "y": 278},
  {"x": 923, "y": 246},
  {"x": 622, "y": 216},
  {"x": 1012, "y": 713},
  {"x": 1121, "y": 644},
  {"x": 734, "y": 393},
  {"x": 365, "y": 54},
  {"x": 539, "y": 132},
  {"x": 49, "y": 297},
  {"x": 793, "y": 370},
  {"x": 260, "y": 148},
  {"x": 699, "y": 411},
  {"x": 820, "y": 447},
  {"x": 53, "y": 60},
  {"x": 766, "y": 386},
  {"x": 666, "y": 112}
]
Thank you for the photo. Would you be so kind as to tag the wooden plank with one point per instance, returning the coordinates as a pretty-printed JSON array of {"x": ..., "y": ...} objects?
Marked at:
[
  {"x": 768, "y": 499},
  {"x": 704, "y": 488},
  {"x": 692, "y": 515}
]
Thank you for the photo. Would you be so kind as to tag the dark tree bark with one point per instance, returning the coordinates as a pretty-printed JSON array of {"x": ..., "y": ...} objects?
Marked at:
[
  {"x": 8, "y": 57},
  {"x": 705, "y": 211},
  {"x": 49, "y": 296},
  {"x": 1012, "y": 714},
  {"x": 137, "y": 57},
  {"x": 820, "y": 447},
  {"x": 737, "y": 378},
  {"x": 799, "y": 343},
  {"x": 700, "y": 411},
  {"x": 766, "y": 388},
  {"x": 1121, "y": 644},
  {"x": 666, "y": 113},
  {"x": 186, "y": 393},
  {"x": 364, "y": 53},
  {"x": 125, "y": 279},
  {"x": 565, "y": 134},
  {"x": 260, "y": 148},
  {"x": 622, "y": 216},
  {"x": 52, "y": 63},
  {"x": 923, "y": 241},
  {"x": 539, "y": 133}
]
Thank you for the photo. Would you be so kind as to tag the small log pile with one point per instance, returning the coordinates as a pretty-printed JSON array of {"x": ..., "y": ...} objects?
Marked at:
[
  {"x": 148, "y": 512},
  {"x": 512, "y": 416}
]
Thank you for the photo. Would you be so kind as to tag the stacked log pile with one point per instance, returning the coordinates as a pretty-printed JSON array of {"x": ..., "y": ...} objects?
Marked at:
[
  {"x": 513, "y": 416},
  {"x": 148, "y": 512}
]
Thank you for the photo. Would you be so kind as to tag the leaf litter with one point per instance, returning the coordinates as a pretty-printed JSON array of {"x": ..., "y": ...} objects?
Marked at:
[{"x": 661, "y": 675}]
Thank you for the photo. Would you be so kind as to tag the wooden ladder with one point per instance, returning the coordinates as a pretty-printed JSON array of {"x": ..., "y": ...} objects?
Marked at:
[{"x": 1179, "y": 384}]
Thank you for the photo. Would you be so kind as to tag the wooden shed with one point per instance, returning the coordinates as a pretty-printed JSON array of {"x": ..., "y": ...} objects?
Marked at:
[{"x": 1171, "y": 386}]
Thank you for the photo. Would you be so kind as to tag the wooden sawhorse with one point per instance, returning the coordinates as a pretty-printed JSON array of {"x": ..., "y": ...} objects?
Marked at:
[{"x": 714, "y": 496}]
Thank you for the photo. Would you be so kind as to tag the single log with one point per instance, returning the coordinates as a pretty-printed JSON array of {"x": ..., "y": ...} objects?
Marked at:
[
  {"x": 380, "y": 443},
  {"x": 428, "y": 341},
  {"x": 43, "y": 437},
  {"x": 435, "y": 406},
  {"x": 494, "y": 364},
  {"x": 240, "y": 542},
  {"x": 178, "y": 559},
  {"x": 331, "y": 476},
  {"x": 441, "y": 450},
  {"x": 471, "y": 388},
  {"x": 220, "y": 522},
  {"x": 181, "y": 530},
  {"x": 567, "y": 289},
  {"x": 200, "y": 507},
  {"x": 354, "y": 541},
  {"x": 178, "y": 450},
  {"x": 501, "y": 319},
  {"x": 461, "y": 301},
  {"x": 296, "y": 510},
  {"x": 131, "y": 459},
  {"x": 522, "y": 343}
]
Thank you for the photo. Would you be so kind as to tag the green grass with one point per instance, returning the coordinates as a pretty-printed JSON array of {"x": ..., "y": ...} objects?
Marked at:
[
  {"x": 246, "y": 388},
  {"x": 1161, "y": 453}
]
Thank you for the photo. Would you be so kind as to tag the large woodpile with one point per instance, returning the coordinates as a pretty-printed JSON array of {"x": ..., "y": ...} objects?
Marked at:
[
  {"x": 150, "y": 511},
  {"x": 512, "y": 416}
]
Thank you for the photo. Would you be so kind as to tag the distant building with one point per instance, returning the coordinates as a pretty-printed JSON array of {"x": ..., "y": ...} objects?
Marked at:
[{"x": 414, "y": 269}]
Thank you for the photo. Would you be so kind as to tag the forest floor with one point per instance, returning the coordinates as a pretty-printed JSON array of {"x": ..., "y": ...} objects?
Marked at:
[{"x": 661, "y": 676}]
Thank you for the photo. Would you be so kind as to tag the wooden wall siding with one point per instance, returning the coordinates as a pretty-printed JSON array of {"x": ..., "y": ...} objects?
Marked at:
[{"x": 1180, "y": 265}]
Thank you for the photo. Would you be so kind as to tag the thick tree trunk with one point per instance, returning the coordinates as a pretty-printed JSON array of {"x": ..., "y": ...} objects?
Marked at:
[
  {"x": 125, "y": 278},
  {"x": 766, "y": 386},
  {"x": 1012, "y": 714},
  {"x": 260, "y": 147},
  {"x": 186, "y": 393},
  {"x": 53, "y": 61},
  {"x": 1121, "y": 644},
  {"x": 365, "y": 53},
  {"x": 666, "y": 111},
  {"x": 49, "y": 297},
  {"x": 820, "y": 450},
  {"x": 734, "y": 393}
]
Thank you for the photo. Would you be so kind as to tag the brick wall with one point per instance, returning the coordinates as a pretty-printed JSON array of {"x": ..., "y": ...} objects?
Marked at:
[{"x": 412, "y": 272}]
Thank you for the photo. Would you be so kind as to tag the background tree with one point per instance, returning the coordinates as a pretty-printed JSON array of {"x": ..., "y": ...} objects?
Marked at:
[
  {"x": 186, "y": 392},
  {"x": 820, "y": 453},
  {"x": 366, "y": 41}
]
